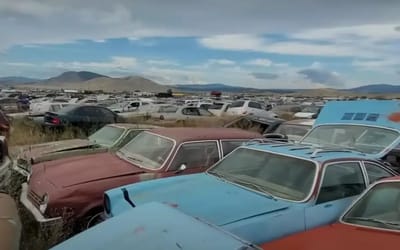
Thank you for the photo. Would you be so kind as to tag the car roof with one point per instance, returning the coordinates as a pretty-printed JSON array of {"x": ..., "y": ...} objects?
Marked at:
[
  {"x": 133, "y": 126},
  {"x": 306, "y": 122},
  {"x": 182, "y": 134},
  {"x": 309, "y": 152}
]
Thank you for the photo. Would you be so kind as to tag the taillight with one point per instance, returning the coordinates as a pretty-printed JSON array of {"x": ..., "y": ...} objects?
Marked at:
[{"x": 56, "y": 121}]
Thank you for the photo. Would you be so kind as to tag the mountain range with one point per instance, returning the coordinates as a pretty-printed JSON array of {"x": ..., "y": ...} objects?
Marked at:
[{"x": 86, "y": 80}]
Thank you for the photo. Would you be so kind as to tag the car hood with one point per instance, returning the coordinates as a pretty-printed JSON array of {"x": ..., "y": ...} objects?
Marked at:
[
  {"x": 38, "y": 151},
  {"x": 337, "y": 236},
  {"x": 83, "y": 169},
  {"x": 200, "y": 195},
  {"x": 171, "y": 230}
]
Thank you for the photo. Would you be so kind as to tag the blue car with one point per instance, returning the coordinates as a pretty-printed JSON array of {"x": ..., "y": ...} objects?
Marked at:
[
  {"x": 166, "y": 229},
  {"x": 263, "y": 191}
]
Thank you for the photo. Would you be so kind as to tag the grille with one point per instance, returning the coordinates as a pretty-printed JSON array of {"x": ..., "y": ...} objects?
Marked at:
[{"x": 35, "y": 198}]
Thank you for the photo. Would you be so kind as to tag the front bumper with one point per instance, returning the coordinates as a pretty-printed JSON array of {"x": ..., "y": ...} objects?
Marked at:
[{"x": 33, "y": 210}]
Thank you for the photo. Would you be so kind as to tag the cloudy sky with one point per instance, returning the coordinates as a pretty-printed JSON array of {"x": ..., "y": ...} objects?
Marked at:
[{"x": 257, "y": 43}]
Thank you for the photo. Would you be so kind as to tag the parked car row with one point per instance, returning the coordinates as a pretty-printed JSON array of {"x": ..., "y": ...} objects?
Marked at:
[{"x": 239, "y": 189}]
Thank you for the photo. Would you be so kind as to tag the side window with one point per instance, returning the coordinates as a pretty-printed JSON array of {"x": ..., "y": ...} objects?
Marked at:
[
  {"x": 82, "y": 111},
  {"x": 255, "y": 105},
  {"x": 190, "y": 111},
  {"x": 196, "y": 155},
  {"x": 375, "y": 172},
  {"x": 341, "y": 180},
  {"x": 229, "y": 146}
]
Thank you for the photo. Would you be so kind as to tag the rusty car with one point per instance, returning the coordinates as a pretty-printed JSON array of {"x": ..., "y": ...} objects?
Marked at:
[
  {"x": 70, "y": 190},
  {"x": 10, "y": 224},
  {"x": 109, "y": 137}
]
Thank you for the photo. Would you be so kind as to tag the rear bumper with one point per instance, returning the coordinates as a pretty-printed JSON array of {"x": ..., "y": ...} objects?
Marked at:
[{"x": 33, "y": 210}]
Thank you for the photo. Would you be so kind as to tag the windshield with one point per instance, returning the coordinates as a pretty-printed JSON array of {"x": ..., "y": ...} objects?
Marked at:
[
  {"x": 147, "y": 150},
  {"x": 370, "y": 140},
  {"x": 106, "y": 136},
  {"x": 379, "y": 208},
  {"x": 280, "y": 176}
]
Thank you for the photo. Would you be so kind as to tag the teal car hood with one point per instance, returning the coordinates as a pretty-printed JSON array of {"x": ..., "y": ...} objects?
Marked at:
[{"x": 201, "y": 195}]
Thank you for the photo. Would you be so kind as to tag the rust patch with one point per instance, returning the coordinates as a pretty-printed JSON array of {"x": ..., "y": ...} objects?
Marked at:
[{"x": 394, "y": 117}]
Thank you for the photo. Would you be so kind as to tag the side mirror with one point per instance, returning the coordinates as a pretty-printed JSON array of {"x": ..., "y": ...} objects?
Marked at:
[{"x": 181, "y": 168}]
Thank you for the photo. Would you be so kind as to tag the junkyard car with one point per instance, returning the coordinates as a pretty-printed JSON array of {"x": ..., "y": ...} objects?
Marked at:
[
  {"x": 110, "y": 137},
  {"x": 72, "y": 188},
  {"x": 255, "y": 123},
  {"x": 168, "y": 230},
  {"x": 261, "y": 192},
  {"x": 293, "y": 130},
  {"x": 372, "y": 222},
  {"x": 291, "y": 187},
  {"x": 10, "y": 225}
]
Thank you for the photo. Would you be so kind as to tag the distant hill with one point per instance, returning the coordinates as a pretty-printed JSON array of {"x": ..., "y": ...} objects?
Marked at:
[
  {"x": 10, "y": 80},
  {"x": 377, "y": 89},
  {"x": 91, "y": 81},
  {"x": 73, "y": 77}
]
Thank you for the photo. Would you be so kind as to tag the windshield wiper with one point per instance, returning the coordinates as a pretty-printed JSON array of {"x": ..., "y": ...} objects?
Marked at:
[
  {"x": 258, "y": 187},
  {"x": 133, "y": 158},
  {"x": 382, "y": 222}
]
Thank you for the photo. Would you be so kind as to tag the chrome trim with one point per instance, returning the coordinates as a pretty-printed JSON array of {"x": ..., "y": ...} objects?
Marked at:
[
  {"x": 325, "y": 166},
  {"x": 151, "y": 169},
  {"x": 187, "y": 142},
  {"x": 39, "y": 217},
  {"x": 360, "y": 197},
  {"x": 316, "y": 164}
]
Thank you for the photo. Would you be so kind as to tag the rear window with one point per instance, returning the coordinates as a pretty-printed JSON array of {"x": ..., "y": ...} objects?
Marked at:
[
  {"x": 255, "y": 105},
  {"x": 237, "y": 104}
]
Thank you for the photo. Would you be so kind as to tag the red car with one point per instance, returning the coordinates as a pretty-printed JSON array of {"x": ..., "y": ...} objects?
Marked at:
[
  {"x": 372, "y": 222},
  {"x": 71, "y": 189}
]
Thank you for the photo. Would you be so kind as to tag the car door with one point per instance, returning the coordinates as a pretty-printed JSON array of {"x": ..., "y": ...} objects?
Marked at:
[
  {"x": 341, "y": 183},
  {"x": 196, "y": 156}
]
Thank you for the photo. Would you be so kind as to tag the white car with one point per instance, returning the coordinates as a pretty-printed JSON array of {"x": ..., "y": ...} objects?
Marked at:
[
  {"x": 169, "y": 112},
  {"x": 308, "y": 112},
  {"x": 246, "y": 107}
]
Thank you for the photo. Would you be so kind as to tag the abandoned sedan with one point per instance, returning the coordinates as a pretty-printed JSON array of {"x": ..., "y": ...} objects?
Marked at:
[
  {"x": 10, "y": 225},
  {"x": 72, "y": 188},
  {"x": 112, "y": 136},
  {"x": 373, "y": 221}
]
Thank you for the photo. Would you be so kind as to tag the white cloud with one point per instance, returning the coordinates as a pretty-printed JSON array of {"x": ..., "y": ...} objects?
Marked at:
[
  {"x": 116, "y": 64},
  {"x": 220, "y": 62},
  {"x": 259, "y": 44},
  {"x": 263, "y": 62},
  {"x": 162, "y": 62}
]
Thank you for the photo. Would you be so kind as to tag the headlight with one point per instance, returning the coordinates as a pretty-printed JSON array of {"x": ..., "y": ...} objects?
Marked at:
[{"x": 43, "y": 205}]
